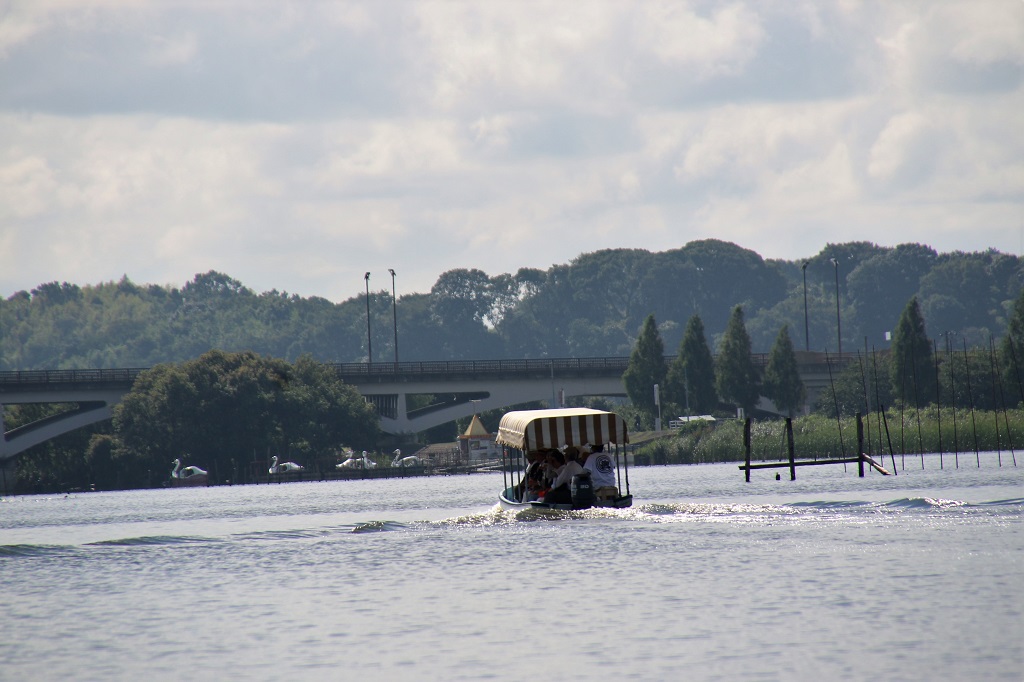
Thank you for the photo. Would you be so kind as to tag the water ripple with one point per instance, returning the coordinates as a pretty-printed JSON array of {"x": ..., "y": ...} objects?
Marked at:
[
  {"x": 34, "y": 550},
  {"x": 377, "y": 527},
  {"x": 151, "y": 540}
]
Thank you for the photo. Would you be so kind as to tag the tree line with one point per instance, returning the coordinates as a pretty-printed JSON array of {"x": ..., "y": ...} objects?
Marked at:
[
  {"x": 224, "y": 412},
  {"x": 228, "y": 412},
  {"x": 914, "y": 373},
  {"x": 594, "y": 305}
]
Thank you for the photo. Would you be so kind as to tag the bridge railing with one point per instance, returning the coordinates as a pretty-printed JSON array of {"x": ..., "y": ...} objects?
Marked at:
[
  {"x": 54, "y": 377},
  {"x": 359, "y": 370}
]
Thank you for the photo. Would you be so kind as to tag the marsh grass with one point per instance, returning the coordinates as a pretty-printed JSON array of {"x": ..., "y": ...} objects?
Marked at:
[{"x": 817, "y": 437}]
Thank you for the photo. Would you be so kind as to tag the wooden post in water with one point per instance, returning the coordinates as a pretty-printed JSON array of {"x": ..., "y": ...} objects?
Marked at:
[
  {"x": 970, "y": 397},
  {"x": 746, "y": 445},
  {"x": 790, "y": 448},
  {"x": 860, "y": 446}
]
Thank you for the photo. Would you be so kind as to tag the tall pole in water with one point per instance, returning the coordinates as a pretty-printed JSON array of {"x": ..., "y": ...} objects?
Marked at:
[
  {"x": 369, "y": 343},
  {"x": 394, "y": 311},
  {"x": 839, "y": 327},
  {"x": 807, "y": 333}
]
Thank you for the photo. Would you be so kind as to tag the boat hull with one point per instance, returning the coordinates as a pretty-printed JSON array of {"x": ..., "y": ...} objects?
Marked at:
[
  {"x": 507, "y": 501},
  {"x": 190, "y": 482}
]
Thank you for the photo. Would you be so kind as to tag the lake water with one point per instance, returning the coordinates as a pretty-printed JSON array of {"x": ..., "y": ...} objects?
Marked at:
[{"x": 912, "y": 577}]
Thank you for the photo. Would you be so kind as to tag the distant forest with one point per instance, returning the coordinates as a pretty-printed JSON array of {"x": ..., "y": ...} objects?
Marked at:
[{"x": 593, "y": 306}]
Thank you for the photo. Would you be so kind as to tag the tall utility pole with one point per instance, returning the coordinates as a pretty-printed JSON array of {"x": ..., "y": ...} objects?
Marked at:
[
  {"x": 807, "y": 333},
  {"x": 394, "y": 311},
  {"x": 839, "y": 325},
  {"x": 369, "y": 343}
]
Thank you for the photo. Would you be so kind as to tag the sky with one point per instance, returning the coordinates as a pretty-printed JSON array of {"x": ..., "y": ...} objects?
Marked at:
[{"x": 297, "y": 145}]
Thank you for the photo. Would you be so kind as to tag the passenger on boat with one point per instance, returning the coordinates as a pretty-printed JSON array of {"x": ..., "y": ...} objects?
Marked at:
[
  {"x": 602, "y": 471},
  {"x": 533, "y": 479},
  {"x": 560, "y": 492},
  {"x": 551, "y": 467}
]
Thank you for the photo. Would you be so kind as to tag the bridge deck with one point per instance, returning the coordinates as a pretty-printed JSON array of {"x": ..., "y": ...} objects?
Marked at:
[{"x": 359, "y": 372}]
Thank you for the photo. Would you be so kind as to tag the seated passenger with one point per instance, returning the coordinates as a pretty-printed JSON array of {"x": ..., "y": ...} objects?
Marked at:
[
  {"x": 602, "y": 471},
  {"x": 551, "y": 467},
  {"x": 560, "y": 492},
  {"x": 533, "y": 478}
]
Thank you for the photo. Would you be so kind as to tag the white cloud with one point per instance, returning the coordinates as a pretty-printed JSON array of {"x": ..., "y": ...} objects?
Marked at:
[
  {"x": 907, "y": 145},
  {"x": 719, "y": 44},
  {"x": 180, "y": 49},
  {"x": 297, "y": 145}
]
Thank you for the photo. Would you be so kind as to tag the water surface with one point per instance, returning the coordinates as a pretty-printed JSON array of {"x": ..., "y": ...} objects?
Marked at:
[{"x": 917, "y": 576}]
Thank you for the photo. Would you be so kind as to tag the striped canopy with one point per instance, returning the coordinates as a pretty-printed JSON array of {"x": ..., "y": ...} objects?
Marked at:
[{"x": 536, "y": 429}]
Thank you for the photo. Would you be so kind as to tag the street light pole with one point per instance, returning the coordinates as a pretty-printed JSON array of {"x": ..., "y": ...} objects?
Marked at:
[
  {"x": 807, "y": 333},
  {"x": 394, "y": 311},
  {"x": 839, "y": 327},
  {"x": 369, "y": 343}
]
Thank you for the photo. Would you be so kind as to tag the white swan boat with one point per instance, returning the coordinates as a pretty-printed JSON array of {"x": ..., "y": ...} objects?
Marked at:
[
  {"x": 283, "y": 467},
  {"x": 189, "y": 476},
  {"x": 530, "y": 431}
]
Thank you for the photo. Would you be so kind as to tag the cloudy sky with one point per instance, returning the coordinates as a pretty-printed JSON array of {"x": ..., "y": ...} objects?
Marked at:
[{"x": 296, "y": 145}]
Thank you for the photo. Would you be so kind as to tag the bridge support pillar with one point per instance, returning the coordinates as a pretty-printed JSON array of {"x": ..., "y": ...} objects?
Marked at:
[
  {"x": 401, "y": 412},
  {"x": 8, "y": 476}
]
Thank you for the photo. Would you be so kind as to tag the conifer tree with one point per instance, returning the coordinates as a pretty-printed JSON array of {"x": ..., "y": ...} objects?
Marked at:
[
  {"x": 912, "y": 372},
  {"x": 646, "y": 367},
  {"x": 736, "y": 377},
  {"x": 691, "y": 378},
  {"x": 782, "y": 382},
  {"x": 1012, "y": 354}
]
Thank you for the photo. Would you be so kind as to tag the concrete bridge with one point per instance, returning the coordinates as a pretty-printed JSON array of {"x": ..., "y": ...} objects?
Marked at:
[{"x": 460, "y": 389}]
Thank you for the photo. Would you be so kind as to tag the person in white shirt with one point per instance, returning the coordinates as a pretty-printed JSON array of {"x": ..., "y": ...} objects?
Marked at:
[{"x": 602, "y": 471}]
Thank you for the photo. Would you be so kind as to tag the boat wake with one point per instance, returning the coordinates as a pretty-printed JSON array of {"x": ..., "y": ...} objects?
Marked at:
[
  {"x": 749, "y": 513},
  {"x": 149, "y": 540},
  {"x": 377, "y": 527},
  {"x": 34, "y": 550}
]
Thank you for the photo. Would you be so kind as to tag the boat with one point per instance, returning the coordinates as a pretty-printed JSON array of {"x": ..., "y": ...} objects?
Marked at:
[
  {"x": 531, "y": 431},
  {"x": 188, "y": 477}
]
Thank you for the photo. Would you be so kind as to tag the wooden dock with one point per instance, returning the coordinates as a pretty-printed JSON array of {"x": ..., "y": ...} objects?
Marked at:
[{"x": 860, "y": 460}]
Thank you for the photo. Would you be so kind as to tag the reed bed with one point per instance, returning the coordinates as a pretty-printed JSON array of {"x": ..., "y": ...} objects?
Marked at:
[{"x": 912, "y": 432}]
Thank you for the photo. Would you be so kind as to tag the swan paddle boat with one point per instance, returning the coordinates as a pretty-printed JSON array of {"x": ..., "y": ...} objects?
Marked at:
[
  {"x": 525, "y": 434},
  {"x": 353, "y": 462},
  {"x": 410, "y": 461},
  {"x": 188, "y": 476},
  {"x": 283, "y": 467}
]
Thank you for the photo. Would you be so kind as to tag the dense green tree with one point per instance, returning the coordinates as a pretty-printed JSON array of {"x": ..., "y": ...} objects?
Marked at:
[
  {"x": 541, "y": 325},
  {"x": 1011, "y": 353},
  {"x": 912, "y": 369},
  {"x": 671, "y": 286},
  {"x": 461, "y": 303},
  {"x": 782, "y": 383},
  {"x": 223, "y": 408},
  {"x": 606, "y": 288},
  {"x": 737, "y": 379},
  {"x": 646, "y": 367},
  {"x": 727, "y": 276},
  {"x": 691, "y": 376},
  {"x": 321, "y": 412},
  {"x": 880, "y": 287}
]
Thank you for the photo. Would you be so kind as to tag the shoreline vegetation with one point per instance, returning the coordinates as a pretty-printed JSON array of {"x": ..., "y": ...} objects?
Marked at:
[{"x": 818, "y": 437}]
